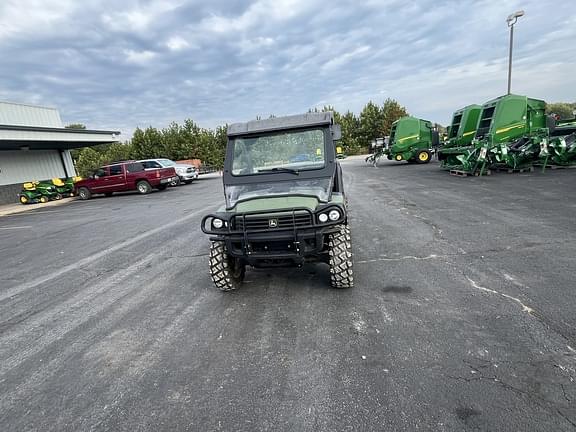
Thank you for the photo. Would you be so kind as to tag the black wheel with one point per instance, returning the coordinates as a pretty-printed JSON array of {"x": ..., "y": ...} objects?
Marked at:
[
  {"x": 227, "y": 272},
  {"x": 175, "y": 182},
  {"x": 162, "y": 187},
  {"x": 423, "y": 156},
  {"x": 57, "y": 197},
  {"x": 143, "y": 187},
  {"x": 84, "y": 193},
  {"x": 340, "y": 254},
  {"x": 109, "y": 194}
]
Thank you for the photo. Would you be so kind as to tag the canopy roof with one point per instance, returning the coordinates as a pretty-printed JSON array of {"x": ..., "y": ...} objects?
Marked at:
[{"x": 15, "y": 137}]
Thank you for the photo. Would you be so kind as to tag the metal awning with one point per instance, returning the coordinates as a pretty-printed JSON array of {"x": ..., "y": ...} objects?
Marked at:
[{"x": 16, "y": 137}]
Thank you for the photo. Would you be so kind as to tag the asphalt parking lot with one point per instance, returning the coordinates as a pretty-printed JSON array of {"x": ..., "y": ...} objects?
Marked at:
[{"x": 463, "y": 316}]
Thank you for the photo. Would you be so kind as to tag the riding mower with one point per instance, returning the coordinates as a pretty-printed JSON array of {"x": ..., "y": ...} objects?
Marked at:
[
  {"x": 65, "y": 187},
  {"x": 34, "y": 192}
]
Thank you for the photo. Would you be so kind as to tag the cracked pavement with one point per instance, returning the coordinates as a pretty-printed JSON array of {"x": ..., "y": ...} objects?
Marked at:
[{"x": 462, "y": 317}]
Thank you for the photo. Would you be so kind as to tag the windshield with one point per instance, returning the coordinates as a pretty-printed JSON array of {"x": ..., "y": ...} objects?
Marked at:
[
  {"x": 291, "y": 151},
  {"x": 319, "y": 188},
  {"x": 166, "y": 162}
]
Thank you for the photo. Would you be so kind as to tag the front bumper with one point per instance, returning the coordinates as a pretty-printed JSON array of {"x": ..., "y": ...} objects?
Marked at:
[
  {"x": 188, "y": 176},
  {"x": 274, "y": 245},
  {"x": 168, "y": 180}
]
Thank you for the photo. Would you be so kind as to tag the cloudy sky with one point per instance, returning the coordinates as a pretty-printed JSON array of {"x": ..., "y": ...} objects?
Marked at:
[{"x": 118, "y": 65}]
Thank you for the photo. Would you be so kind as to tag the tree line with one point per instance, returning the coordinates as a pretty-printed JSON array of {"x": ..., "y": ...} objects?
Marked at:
[{"x": 190, "y": 141}]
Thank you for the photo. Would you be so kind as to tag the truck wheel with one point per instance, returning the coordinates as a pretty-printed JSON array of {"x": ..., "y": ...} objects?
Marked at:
[
  {"x": 423, "y": 156},
  {"x": 340, "y": 252},
  {"x": 143, "y": 187},
  {"x": 227, "y": 272},
  {"x": 84, "y": 193}
]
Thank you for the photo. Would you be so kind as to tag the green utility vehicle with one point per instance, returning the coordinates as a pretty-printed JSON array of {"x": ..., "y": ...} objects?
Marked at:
[
  {"x": 509, "y": 132},
  {"x": 411, "y": 139},
  {"x": 285, "y": 202},
  {"x": 463, "y": 127}
]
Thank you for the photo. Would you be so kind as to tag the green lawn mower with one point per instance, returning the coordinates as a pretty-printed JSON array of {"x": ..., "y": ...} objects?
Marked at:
[
  {"x": 65, "y": 187},
  {"x": 35, "y": 192}
]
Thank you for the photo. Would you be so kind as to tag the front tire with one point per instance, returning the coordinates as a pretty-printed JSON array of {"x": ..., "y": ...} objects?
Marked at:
[
  {"x": 84, "y": 193},
  {"x": 423, "y": 156},
  {"x": 340, "y": 258},
  {"x": 226, "y": 272},
  {"x": 144, "y": 187}
]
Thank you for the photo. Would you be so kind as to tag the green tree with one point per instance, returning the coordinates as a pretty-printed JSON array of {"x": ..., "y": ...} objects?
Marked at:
[
  {"x": 371, "y": 124},
  {"x": 88, "y": 160},
  {"x": 563, "y": 109},
  {"x": 75, "y": 126},
  {"x": 391, "y": 111},
  {"x": 147, "y": 143}
]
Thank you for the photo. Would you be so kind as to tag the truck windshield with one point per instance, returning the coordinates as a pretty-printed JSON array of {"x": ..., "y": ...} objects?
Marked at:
[
  {"x": 166, "y": 162},
  {"x": 291, "y": 151}
]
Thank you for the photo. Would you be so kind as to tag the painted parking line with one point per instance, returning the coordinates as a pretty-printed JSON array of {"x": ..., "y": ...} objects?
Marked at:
[{"x": 16, "y": 227}]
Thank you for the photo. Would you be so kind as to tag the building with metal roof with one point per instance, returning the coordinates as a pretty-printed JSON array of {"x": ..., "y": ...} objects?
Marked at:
[{"x": 34, "y": 145}]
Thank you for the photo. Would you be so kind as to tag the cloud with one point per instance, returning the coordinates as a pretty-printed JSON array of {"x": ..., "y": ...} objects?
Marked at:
[
  {"x": 177, "y": 43},
  {"x": 139, "y": 63},
  {"x": 139, "y": 57}
]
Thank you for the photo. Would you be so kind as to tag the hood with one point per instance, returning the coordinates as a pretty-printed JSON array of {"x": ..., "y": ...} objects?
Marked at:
[{"x": 183, "y": 166}]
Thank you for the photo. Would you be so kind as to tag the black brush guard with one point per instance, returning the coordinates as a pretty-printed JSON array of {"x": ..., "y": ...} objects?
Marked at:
[{"x": 274, "y": 245}]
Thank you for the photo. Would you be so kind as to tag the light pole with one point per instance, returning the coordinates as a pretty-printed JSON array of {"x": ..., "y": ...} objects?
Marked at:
[{"x": 511, "y": 20}]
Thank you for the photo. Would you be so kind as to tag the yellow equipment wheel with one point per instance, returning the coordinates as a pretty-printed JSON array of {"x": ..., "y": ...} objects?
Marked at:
[
  {"x": 423, "y": 156},
  {"x": 43, "y": 199},
  {"x": 398, "y": 157},
  {"x": 24, "y": 199}
]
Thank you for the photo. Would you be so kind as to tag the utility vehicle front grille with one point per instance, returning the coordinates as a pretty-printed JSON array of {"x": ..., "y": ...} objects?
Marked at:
[{"x": 257, "y": 222}]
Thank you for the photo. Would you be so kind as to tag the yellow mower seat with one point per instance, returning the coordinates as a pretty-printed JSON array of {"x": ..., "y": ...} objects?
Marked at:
[
  {"x": 29, "y": 186},
  {"x": 57, "y": 182}
]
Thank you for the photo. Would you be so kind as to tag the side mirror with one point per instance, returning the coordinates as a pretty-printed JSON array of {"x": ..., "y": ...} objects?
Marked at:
[{"x": 336, "y": 132}]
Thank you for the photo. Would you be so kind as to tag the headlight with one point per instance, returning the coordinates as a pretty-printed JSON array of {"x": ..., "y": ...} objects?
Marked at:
[
  {"x": 217, "y": 223},
  {"x": 323, "y": 217},
  {"x": 334, "y": 215}
]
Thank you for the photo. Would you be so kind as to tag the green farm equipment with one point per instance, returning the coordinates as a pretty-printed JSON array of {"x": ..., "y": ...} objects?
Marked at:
[
  {"x": 512, "y": 131},
  {"x": 412, "y": 139},
  {"x": 65, "y": 187},
  {"x": 463, "y": 127},
  {"x": 34, "y": 192}
]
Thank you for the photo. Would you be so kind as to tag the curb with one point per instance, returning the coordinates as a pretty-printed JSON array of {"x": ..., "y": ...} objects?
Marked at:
[{"x": 11, "y": 209}]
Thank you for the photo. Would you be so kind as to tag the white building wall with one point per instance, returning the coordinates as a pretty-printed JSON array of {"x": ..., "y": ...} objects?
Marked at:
[
  {"x": 21, "y": 166},
  {"x": 69, "y": 163}
]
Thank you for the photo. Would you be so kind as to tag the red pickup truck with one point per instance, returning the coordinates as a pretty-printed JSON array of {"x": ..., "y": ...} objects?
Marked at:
[{"x": 124, "y": 176}]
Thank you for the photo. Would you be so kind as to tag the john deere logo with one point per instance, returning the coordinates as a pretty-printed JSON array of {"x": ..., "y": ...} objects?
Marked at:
[{"x": 272, "y": 223}]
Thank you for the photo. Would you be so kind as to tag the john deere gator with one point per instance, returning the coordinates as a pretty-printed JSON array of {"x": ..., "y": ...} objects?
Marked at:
[
  {"x": 411, "y": 139},
  {"x": 511, "y": 131}
]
